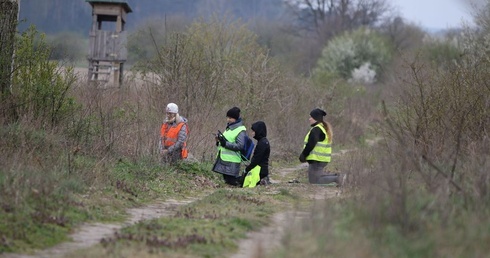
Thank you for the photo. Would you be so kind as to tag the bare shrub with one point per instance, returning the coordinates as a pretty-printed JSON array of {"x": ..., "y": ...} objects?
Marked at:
[
  {"x": 437, "y": 134},
  {"x": 141, "y": 43},
  {"x": 430, "y": 168},
  {"x": 214, "y": 66}
]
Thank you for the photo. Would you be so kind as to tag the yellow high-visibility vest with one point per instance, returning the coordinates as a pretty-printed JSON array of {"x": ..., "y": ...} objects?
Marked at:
[
  {"x": 323, "y": 150},
  {"x": 252, "y": 178},
  {"x": 227, "y": 154}
]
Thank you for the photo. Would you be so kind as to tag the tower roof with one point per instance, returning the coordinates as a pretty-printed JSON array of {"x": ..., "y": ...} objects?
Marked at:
[{"x": 124, "y": 3}]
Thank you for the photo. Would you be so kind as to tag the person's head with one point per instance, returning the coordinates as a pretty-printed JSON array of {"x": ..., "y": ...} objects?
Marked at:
[
  {"x": 172, "y": 112},
  {"x": 316, "y": 115},
  {"x": 233, "y": 114},
  {"x": 259, "y": 130}
]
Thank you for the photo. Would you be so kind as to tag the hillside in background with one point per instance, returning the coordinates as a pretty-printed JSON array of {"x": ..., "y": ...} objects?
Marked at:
[{"x": 53, "y": 16}]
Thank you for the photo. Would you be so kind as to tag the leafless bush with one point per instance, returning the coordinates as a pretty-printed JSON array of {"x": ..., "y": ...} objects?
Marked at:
[
  {"x": 216, "y": 65},
  {"x": 436, "y": 150}
]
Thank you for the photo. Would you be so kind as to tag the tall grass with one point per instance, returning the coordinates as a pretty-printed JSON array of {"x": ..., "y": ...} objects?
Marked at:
[
  {"x": 78, "y": 151},
  {"x": 422, "y": 191}
]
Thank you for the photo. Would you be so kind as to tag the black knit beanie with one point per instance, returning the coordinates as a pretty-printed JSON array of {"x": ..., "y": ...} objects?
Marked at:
[
  {"x": 234, "y": 112},
  {"x": 318, "y": 114}
]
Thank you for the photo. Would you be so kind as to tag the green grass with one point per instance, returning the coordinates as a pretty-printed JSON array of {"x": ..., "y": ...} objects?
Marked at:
[
  {"x": 208, "y": 227},
  {"x": 56, "y": 201},
  {"x": 346, "y": 228}
]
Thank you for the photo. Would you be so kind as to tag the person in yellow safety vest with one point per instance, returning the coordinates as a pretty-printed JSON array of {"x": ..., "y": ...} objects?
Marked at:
[
  {"x": 232, "y": 140},
  {"x": 317, "y": 149},
  {"x": 173, "y": 135}
]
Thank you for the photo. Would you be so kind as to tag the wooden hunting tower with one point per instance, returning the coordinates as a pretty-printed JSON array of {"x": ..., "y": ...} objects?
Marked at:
[{"x": 108, "y": 51}]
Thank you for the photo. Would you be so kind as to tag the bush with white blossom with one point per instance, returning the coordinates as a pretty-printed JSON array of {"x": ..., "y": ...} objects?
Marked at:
[
  {"x": 364, "y": 74},
  {"x": 356, "y": 56}
]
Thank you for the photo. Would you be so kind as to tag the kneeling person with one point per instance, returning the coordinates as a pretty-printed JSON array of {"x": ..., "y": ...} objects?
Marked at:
[
  {"x": 261, "y": 154},
  {"x": 173, "y": 135}
]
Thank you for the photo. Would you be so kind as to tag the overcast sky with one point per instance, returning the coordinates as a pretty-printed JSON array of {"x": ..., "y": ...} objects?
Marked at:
[{"x": 436, "y": 14}]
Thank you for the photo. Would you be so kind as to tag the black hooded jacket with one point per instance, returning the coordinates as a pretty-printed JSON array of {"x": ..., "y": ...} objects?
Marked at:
[{"x": 262, "y": 150}]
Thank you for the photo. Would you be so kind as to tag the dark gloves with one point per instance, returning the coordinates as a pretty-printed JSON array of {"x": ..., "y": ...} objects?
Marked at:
[
  {"x": 302, "y": 158},
  {"x": 222, "y": 141}
]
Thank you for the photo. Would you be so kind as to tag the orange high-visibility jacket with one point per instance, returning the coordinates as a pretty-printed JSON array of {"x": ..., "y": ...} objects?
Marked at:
[{"x": 170, "y": 134}]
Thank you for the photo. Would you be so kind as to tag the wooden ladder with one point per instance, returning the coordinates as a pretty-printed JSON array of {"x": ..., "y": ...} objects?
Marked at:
[{"x": 101, "y": 71}]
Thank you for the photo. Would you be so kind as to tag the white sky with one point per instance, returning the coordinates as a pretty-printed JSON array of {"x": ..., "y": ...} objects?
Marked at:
[{"x": 435, "y": 14}]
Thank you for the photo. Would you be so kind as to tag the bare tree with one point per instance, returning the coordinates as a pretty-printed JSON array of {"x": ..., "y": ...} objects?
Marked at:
[
  {"x": 329, "y": 17},
  {"x": 9, "y": 11},
  {"x": 402, "y": 35},
  {"x": 315, "y": 22}
]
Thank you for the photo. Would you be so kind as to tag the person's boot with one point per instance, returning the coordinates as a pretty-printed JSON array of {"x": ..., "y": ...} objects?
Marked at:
[
  {"x": 341, "y": 180},
  {"x": 265, "y": 181}
]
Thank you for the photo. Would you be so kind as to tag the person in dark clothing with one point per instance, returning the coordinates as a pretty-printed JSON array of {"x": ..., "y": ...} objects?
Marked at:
[
  {"x": 229, "y": 143},
  {"x": 317, "y": 149},
  {"x": 261, "y": 152}
]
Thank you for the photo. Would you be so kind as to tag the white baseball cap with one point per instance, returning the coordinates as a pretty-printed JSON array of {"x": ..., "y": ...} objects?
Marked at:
[{"x": 172, "y": 108}]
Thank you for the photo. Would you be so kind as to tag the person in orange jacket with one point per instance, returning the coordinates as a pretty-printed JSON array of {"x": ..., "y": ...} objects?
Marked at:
[{"x": 173, "y": 135}]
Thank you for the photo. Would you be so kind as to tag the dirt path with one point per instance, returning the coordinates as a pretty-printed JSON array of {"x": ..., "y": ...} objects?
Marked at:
[
  {"x": 91, "y": 234},
  {"x": 260, "y": 243},
  {"x": 255, "y": 245}
]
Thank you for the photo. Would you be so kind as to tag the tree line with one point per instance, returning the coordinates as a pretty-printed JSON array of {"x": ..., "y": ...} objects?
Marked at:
[{"x": 53, "y": 16}]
